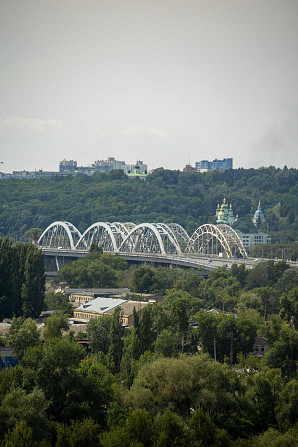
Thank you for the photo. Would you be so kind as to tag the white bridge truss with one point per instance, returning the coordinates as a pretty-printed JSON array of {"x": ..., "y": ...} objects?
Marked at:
[
  {"x": 214, "y": 239},
  {"x": 159, "y": 238}
]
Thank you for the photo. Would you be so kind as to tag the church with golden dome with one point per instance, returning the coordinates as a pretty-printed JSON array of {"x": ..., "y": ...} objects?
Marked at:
[{"x": 225, "y": 214}]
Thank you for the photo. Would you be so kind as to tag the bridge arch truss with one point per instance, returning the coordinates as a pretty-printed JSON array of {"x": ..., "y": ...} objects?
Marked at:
[
  {"x": 60, "y": 235},
  {"x": 151, "y": 238},
  {"x": 103, "y": 234},
  {"x": 212, "y": 239}
]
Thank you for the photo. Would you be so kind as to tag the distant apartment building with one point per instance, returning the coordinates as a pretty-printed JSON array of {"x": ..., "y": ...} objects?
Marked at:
[
  {"x": 19, "y": 175},
  {"x": 106, "y": 166},
  {"x": 250, "y": 240},
  {"x": 70, "y": 167},
  {"x": 215, "y": 165}
]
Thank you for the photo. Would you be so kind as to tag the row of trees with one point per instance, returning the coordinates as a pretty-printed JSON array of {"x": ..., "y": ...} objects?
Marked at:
[
  {"x": 22, "y": 280},
  {"x": 189, "y": 199},
  {"x": 135, "y": 389}
]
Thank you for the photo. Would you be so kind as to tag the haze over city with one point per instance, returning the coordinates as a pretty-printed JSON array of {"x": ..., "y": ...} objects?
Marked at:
[{"x": 166, "y": 82}]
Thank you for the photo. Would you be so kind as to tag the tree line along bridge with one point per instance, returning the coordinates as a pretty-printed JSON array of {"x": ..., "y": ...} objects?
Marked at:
[{"x": 209, "y": 246}]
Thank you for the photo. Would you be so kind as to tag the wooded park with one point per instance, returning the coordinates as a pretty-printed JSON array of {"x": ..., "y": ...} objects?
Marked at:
[{"x": 185, "y": 374}]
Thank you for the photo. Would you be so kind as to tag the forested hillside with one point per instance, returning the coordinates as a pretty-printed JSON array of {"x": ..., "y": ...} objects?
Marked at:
[{"x": 189, "y": 199}]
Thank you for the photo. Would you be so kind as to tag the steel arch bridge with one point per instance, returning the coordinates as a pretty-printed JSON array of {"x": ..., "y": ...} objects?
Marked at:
[
  {"x": 155, "y": 238},
  {"x": 215, "y": 239},
  {"x": 60, "y": 235}
]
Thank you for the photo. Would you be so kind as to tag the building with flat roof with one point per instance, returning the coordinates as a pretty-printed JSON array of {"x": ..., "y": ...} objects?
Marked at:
[
  {"x": 106, "y": 306},
  {"x": 214, "y": 165},
  {"x": 105, "y": 166},
  {"x": 80, "y": 296}
]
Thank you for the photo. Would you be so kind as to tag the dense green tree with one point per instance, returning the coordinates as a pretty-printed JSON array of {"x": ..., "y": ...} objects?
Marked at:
[
  {"x": 289, "y": 307},
  {"x": 288, "y": 281},
  {"x": 136, "y": 431},
  {"x": 54, "y": 365},
  {"x": 97, "y": 269},
  {"x": 170, "y": 430},
  {"x": 78, "y": 434},
  {"x": 264, "y": 390},
  {"x": 183, "y": 384},
  {"x": 286, "y": 410},
  {"x": 20, "y": 435},
  {"x": 166, "y": 344},
  {"x": 224, "y": 336},
  {"x": 143, "y": 280},
  {"x": 55, "y": 325},
  {"x": 284, "y": 352},
  {"x": 23, "y": 333},
  {"x": 9, "y": 292},
  {"x": 17, "y": 406},
  {"x": 146, "y": 332},
  {"x": 58, "y": 301},
  {"x": 116, "y": 340},
  {"x": 34, "y": 283},
  {"x": 98, "y": 331}
]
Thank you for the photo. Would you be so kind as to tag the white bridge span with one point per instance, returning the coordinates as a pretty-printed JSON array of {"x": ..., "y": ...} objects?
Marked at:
[{"x": 146, "y": 238}]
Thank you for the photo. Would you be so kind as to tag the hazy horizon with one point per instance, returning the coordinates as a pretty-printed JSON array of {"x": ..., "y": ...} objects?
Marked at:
[{"x": 166, "y": 82}]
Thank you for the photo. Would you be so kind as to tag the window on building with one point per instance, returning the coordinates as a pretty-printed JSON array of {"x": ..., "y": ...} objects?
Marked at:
[{"x": 262, "y": 348}]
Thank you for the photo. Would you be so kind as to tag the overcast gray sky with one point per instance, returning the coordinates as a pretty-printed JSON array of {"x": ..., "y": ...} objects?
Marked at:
[{"x": 164, "y": 81}]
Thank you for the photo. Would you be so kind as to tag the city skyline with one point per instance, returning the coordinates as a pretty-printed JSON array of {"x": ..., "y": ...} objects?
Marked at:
[{"x": 166, "y": 82}]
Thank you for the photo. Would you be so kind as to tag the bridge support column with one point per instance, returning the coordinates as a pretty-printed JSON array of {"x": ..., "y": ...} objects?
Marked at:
[{"x": 57, "y": 263}]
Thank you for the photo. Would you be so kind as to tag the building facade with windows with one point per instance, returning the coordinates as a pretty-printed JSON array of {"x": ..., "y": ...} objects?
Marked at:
[
  {"x": 106, "y": 306},
  {"x": 214, "y": 165},
  {"x": 105, "y": 166}
]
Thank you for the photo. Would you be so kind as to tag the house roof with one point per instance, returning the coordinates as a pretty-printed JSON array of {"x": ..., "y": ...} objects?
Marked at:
[
  {"x": 101, "y": 305},
  {"x": 107, "y": 305},
  {"x": 128, "y": 307}
]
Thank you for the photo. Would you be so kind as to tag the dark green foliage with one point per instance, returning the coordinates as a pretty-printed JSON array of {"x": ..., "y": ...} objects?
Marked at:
[
  {"x": 33, "y": 286},
  {"x": 98, "y": 331},
  {"x": 20, "y": 435},
  {"x": 224, "y": 336},
  {"x": 289, "y": 307},
  {"x": 23, "y": 334},
  {"x": 55, "y": 325},
  {"x": 95, "y": 270},
  {"x": 167, "y": 344},
  {"x": 134, "y": 389},
  {"x": 167, "y": 196},
  {"x": 116, "y": 341},
  {"x": 78, "y": 434},
  {"x": 284, "y": 352},
  {"x": 58, "y": 301},
  {"x": 171, "y": 431},
  {"x": 22, "y": 280},
  {"x": 17, "y": 406},
  {"x": 143, "y": 281}
]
